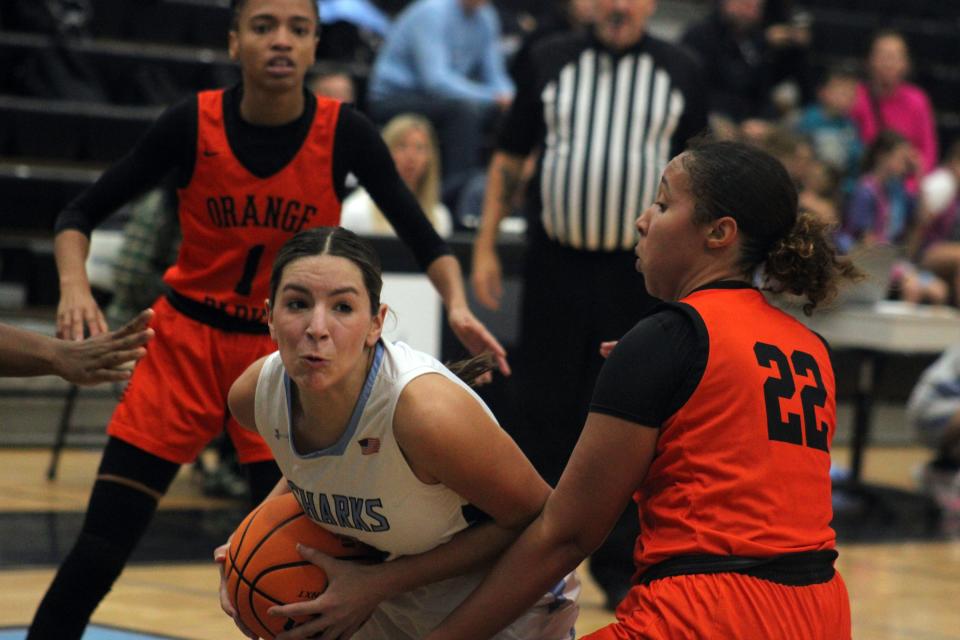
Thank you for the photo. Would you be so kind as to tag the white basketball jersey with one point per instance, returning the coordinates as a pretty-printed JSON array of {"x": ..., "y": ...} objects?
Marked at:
[{"x": 362, "y": 486}]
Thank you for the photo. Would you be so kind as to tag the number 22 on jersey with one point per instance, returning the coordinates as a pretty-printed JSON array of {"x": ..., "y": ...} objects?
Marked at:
[{"x": 785, "y": 426}]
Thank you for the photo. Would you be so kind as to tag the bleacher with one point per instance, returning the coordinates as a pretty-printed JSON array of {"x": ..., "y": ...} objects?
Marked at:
[
  {"x": 74, "y": 96},
  {"x": 842, "y": 30}
]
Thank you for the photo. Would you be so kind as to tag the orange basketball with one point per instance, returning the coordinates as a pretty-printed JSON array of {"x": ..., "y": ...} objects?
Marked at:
[{"x": 263, "y": 568}]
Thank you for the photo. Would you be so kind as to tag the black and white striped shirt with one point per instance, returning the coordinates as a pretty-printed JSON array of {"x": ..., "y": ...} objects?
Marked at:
[{"x": 607, "y": 122}]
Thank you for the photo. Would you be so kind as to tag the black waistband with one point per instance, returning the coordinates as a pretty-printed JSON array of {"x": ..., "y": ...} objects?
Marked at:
[
  {"x": 214, "y": 317},
  {"x": 792, "y": 569}
]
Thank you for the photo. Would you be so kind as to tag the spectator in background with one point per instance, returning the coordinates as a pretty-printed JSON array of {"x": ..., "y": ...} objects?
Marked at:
[
  {"x": 442, "y": 60},
  {"x": 887, "y": 101},
  {"x": 882, "y": 212},
  {"x": 940, "y": 219},
  {"x": 816, "y": 182},
  {"x": 743, "y": 60},
  {"x": 334, "y": 84},
  {"x": 353, "y": 30},
  {"x": 564, "y": 15},
  {"x": 608, "y": 109},
  {"x": 934, "y": 410},
  {"x": 413, "y": 145},
  {"x": 829, "y": 127}
]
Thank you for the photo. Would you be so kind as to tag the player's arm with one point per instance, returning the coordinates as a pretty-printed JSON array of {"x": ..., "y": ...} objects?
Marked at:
[
  {"x": 359, "y": 148},
  {"x": 242, "y": 395},
  {"x": 105, "y": 358},
  {"x": 609, "y": 462},
  {"x": 166, "y": 145},
  {"x": 642, "y": 383},
  {"x": 447, "y": 437},
  {"x": 241, "y": 402},
  {"x": 503, "y": 179},
  {"x": 518, "y": 137}
]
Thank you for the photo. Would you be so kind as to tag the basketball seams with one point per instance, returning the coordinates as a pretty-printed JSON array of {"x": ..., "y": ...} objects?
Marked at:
[
  {"x": 266, "y": 568},
  {"x": 253, "y": 589},
  {"x": 233, "y": 560},
  {"x": 234, "y": 551}
]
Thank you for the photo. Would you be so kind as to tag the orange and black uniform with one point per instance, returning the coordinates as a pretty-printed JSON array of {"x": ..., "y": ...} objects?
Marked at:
[
  {"x": 233, "y": 224},
  {"x": 243, "y": 191},
  {"x": 735, "y": 509}
]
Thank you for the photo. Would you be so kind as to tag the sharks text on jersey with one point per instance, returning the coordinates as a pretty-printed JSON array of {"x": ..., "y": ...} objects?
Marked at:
[{"x": 348, "y": 512}]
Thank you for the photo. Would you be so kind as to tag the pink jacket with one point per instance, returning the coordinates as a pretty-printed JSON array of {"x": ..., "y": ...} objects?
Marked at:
[{"x": 908, "y": 112}]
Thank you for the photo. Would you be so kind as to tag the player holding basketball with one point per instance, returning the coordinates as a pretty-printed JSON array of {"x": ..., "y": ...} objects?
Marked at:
[
  {"x": 716, "y": 412},
  {"x": 384, "y": 444},
  {"x": 255, "y": 164}
]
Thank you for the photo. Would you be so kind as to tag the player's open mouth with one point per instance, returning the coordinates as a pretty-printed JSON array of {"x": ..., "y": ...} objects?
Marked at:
[
  {"x": 314, "y": 361},
  {"x": 280, "y": 66}
]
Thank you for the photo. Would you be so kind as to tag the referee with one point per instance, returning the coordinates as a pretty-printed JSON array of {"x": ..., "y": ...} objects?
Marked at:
[{"x": 607, "y": 109}]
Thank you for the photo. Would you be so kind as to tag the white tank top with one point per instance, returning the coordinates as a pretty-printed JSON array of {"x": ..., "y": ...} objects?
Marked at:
[{"x": 362, "y": 486}]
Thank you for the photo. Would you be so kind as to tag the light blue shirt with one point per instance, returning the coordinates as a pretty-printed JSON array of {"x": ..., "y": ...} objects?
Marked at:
[
  {"x": 361, "y": 13},
  {"x": 435, "y": 48}
]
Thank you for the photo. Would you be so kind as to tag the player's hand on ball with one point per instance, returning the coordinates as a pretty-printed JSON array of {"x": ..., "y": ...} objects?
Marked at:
[
  {"x": 352, "y": 595},
  {"x": 220, "y": 556}
]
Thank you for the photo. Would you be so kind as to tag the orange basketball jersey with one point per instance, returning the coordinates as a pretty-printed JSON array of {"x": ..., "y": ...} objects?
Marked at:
[
  {"x": 743, "y": 468},
  {"x": 234, "y": 222}
]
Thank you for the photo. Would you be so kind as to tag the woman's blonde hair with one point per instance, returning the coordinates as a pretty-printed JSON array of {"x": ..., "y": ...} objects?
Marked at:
[{"x": 428, "y": 191}]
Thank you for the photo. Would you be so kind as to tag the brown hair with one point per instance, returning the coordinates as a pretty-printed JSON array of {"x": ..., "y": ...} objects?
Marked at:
[
  {"x": 794, "y": 250},
  {"x": 331, "y": 241}
]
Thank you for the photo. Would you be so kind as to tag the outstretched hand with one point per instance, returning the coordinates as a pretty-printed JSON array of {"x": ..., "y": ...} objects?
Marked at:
[
  {"x": 77, "y": 311},
  {"x": 107, "y": 357},
  {"x": 352, "y": 594},
  {"x": 476, "y": 337}
]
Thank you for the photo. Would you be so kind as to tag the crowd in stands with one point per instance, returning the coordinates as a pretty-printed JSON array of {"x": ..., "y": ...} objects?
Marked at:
[{"x": 858, "y": 137}]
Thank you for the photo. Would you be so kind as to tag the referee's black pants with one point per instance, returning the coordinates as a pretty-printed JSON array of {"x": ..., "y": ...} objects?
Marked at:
[{"x": 572, "y": 301}]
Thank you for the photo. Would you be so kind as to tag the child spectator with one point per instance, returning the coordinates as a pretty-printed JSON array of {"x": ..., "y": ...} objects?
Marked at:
[
  {"x": 829, "y": 127},
  {"x": 882, "y": 211},
  {"x": 940, "y": 220},
  {"x": 934, "y": 410}
]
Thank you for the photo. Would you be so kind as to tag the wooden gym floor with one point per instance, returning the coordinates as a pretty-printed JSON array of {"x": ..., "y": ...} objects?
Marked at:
[{"x": 903, "y": 577}]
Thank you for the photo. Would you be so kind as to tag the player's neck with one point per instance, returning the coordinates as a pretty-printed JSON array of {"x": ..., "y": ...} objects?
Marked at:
[
  {"x": 320, "y": 418},
  {"x": 271, "y": 109}
]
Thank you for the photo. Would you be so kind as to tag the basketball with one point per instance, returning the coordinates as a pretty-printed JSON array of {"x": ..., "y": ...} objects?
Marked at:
[{"x": 263, "y": 568}]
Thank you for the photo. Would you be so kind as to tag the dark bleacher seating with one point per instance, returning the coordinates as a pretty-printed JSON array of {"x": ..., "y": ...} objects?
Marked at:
[
  {"x": 122, "y": 72},
  {"x": 34, "y": 195},
  {"x": 201, "y": 23},
  {"x": 842, "y": 30},
  {"x": 68, "y": 130}
]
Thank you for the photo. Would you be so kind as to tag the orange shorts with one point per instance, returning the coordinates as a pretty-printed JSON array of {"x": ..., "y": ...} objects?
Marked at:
[
  {"x": 731, "y": 605},
  {"x": 176, "y": 401}
]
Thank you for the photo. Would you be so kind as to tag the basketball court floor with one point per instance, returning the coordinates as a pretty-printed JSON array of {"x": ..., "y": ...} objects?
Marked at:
[{"x": 903, "y": 573}]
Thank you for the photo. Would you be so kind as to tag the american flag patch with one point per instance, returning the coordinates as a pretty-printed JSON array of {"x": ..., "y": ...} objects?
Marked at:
[{"x": 369, "y": 445}]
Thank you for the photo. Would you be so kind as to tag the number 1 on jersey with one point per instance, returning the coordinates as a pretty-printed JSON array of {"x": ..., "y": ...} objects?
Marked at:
[{"x": 245, "y": 284}]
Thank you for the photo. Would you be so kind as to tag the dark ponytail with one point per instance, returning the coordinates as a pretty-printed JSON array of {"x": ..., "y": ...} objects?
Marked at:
[
  {"x": 805, "y": 263},
  {"x": 793, "y": 251}
]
